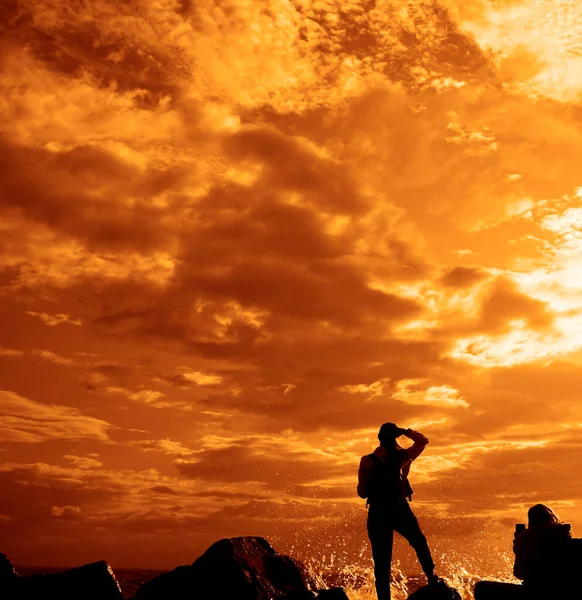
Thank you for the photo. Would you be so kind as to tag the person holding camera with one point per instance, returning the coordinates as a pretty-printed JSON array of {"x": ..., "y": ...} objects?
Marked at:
[
  {"x": 383, "y": 481},
  {"x": 544, "y": 556}
]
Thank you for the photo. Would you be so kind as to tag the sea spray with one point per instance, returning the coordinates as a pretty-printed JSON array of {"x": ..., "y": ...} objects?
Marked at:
[
  {"x": 340, "y": 555},
  {"x": 358, "y": 581}
]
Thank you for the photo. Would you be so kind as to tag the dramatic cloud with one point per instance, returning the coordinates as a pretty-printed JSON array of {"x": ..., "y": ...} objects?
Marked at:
[
  {"x": 53, "y": 320},
  {"x": 460, "y": 277},
  {"x": 238, "y": 237},
  {"x": 165, "y": 446},
  {"x": 264, "y": 462},
  {"x": 53, "y": 357},
  {"x": 84, "y": 462},
  {"x": 24, "y": 420}
]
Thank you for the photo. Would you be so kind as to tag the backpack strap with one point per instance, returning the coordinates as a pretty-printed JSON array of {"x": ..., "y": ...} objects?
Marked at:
[{"x": 375, "y": 462}]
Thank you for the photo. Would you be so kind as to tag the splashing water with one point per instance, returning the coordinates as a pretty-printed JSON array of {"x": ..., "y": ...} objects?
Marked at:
[
  {"x": 358, "y": 583},
  {"x": 338, "y": 554},
  {"x": 358, "y": 580}
]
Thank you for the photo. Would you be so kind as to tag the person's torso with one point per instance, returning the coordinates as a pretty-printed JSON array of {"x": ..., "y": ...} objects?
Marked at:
[
  {"x": 549, "y": 553},
  {"x": 386, "y": 485}
]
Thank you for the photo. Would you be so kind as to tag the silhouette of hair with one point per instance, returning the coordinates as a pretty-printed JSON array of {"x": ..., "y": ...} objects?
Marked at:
[
  {"x": 388, "y": 433},
  {"x": 540, "y": 514}
]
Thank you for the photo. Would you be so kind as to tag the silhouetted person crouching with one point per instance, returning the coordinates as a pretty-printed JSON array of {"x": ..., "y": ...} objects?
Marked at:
[
  {"x": 545, "y": 561},
  {"x": 383, "y": 480}
]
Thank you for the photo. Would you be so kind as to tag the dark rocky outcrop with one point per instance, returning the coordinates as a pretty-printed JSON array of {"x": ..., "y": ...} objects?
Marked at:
[
  {"x": 7, "y": 572},
  {"x": 435, "y": 592},
  {"x": 243, "y": 568},
  {"x": 332, "y": 594},
  {"x": 94, "y": 581},
  {"x": 7, "y": 576}
]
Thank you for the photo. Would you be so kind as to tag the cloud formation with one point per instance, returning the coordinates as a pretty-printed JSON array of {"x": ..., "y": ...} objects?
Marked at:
[
  {"x": 24, "y": 420},
  {"x": 236, "y": 239}
]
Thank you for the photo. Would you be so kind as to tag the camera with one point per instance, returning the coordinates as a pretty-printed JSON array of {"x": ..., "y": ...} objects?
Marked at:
[{"x": 519, "y": 527}]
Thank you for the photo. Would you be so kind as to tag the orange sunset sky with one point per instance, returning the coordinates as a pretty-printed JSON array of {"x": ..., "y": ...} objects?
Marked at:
[{"x": 238, "y": 235}]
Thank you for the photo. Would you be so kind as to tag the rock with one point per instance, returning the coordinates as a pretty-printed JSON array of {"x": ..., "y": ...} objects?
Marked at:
[
  {"x": 6, "y": 569},
  {"x": 332, "y": 594},
  {"x": 7, "y": 576},
  {"x": 95, "y": 581},
  {"x": 242, "y": 568},
  {"x": 435, "y": 592}
]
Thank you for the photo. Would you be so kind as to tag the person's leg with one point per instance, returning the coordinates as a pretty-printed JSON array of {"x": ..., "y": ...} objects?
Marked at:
[
  {"x": 381, "y": 536},
  {"x": 406, "y": 524},
  {"x": 495, "y": 590}
]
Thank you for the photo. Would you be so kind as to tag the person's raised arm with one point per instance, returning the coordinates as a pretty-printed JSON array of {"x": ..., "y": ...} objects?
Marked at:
[{"x": 420, "y": 443}]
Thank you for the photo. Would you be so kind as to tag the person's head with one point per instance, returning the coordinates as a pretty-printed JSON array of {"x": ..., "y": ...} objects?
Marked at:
[
  {"x": 388, "y": 434},
  {"x": 540, "y": 514}
]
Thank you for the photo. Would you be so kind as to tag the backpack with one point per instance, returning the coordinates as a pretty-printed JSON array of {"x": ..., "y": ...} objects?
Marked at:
[{"x": 386, "y": 484}]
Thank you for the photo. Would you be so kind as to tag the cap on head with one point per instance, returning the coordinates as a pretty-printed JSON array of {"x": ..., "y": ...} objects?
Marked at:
[{"x": 388, "y": 432}]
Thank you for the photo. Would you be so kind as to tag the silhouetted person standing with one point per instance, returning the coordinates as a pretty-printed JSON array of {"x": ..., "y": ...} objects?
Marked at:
[{"x": 383, "y": 480}]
